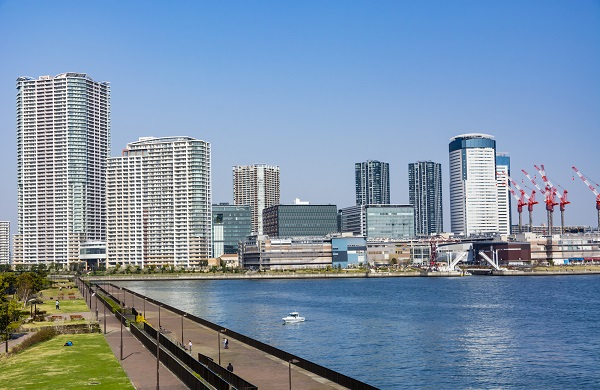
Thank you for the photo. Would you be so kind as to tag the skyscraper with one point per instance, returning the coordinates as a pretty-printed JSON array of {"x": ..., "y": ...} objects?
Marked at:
[
  {"x": 425, "y": 194},
  {"x": 372, "y": 182},
  {"x": 4, "y": 242},
  {"x": 502, "y": 174},
  {"x": 159, "y": 203},
  {"x": 258, "y": 186},
  {"x": 63, "y": 137},
  {"x": 473, "y": 190}
]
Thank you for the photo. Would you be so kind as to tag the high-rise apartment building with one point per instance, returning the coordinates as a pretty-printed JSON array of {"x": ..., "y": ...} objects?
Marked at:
[
  {"x": 502, "y": 174},
  {"x": 258, "y": 186},
  {"x": 372, "y": 182},
  {"x": 63, "y": 140},
  {"x": 159, "y": 203},
  {"x": 473, "y": 190},
  {"x": 425, "y": 194},
  {"x": 4, "y": 242}
]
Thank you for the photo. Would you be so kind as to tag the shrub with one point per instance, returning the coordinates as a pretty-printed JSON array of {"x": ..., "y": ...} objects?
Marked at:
[{"x": 43, "y": 334}]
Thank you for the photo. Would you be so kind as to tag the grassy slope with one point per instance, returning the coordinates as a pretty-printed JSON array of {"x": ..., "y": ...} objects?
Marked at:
[{"x": 50, "y": 365}]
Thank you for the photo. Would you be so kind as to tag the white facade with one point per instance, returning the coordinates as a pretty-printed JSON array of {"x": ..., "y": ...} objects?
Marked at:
[
  {"x": 257, "y": 186},
  {"x": 502, "y": 173},
  {"x": 4, "y": 242},
  {"x": 473, "y": 190},
  {"x": 63, "y": 140},
  {"x": 159, "y": 205}
]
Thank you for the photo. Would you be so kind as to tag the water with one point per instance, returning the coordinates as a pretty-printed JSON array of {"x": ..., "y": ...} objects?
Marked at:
[{"x": 394, "y": 333}]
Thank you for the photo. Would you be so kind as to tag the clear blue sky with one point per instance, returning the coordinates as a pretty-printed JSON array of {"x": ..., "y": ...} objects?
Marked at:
[{"x": 315, "y": 86}]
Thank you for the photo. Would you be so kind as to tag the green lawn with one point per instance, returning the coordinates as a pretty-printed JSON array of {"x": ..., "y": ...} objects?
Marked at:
[{"x": 50, "y": 365}]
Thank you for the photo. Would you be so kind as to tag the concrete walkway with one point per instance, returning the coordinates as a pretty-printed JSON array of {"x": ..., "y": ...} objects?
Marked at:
[
  {"x": 259, "y": 368},
  {"x": 137, "y": 361}
]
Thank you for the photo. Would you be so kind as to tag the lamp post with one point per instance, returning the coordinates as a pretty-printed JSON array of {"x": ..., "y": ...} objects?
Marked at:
[
  {"x": 144, "y": 307},
  {"x": 121, "y": 318},
  {"x": 158, "y": 350},
  {"x": 104, "y": 318},
  {"x": 290, "y": 369},
  {"x": 182, "y": 317},
  {"x": 219, "y": 342}
]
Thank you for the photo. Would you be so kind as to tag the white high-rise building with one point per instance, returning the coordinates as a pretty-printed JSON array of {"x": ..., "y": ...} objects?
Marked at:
[
  {"x": 502, "y": 174},
  {"x": 258, "y": 186},
  {"x": 473, "y": 189},
  {"x": 63, "y": 141},
  {"x": 4, "y": 242},
  {"x": 158, "y": 200}
]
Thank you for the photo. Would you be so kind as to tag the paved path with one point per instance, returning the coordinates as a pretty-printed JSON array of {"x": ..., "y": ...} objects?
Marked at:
[
  {"x": 257, "y": 367},
  {"x": 138, "y": 362}
]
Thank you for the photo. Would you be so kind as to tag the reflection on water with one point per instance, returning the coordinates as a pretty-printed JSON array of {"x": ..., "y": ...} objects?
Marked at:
[{"x": 472, "y": 332}]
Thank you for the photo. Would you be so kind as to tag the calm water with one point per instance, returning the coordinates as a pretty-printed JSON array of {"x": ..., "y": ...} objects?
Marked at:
[{"x": 471, "y": 332}]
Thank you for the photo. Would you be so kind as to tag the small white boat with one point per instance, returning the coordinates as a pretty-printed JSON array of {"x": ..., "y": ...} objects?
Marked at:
[{"x": 293, "y": 317}]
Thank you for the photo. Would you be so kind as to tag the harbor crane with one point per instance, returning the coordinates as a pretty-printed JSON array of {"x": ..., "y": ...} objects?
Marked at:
[
  {"x": 521, "y": 202},
  {"x": 562, "y": 199},
  {"x": 549, "y": 199},
  {"x": 593, "y": 190}
]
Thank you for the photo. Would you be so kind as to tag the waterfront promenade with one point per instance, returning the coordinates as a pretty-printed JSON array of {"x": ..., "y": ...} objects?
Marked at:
[{"x": 257, "y": 367}]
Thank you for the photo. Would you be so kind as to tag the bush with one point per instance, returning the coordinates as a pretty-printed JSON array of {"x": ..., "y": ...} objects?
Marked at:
[{"x": 43, "y": 334}]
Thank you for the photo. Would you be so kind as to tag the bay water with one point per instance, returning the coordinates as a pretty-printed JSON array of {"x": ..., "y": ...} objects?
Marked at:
[{"x": 394, "y": 333}]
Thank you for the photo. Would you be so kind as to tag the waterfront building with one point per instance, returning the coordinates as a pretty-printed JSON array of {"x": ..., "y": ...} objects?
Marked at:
[
  {"x": 348, "y": 251},
  {"x": 473, "y": 191},
  {"x": 4, "y": 242},
  {"x": 560, "y": 249},
  {"x": 93, "y": 255},
  {"x": 372, "y": 182},
  {"x": 231, "y": 224},
  {"x": 378, "y": 221},
  {"x": 159, "y": 203},
  {"x": 63, "y": 140},
  {"x": 257, "y": 186},
  {"x": 265, "y": 253},
  {"x": 383, "y": 253},
  {"x": 299, "y": 220},
  {"x": 504, "y": 199},
  {"x": 425, "y": 194}
]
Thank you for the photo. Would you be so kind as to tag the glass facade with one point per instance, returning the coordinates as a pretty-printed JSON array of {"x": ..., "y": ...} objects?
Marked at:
[
  {"x": 372, "y": 182},
  {"x": 390, "y": 221},
  {"x": 231, "y": 224},
  {"x": 425, "y": 194},
  {"x": 300, "y": 220}
]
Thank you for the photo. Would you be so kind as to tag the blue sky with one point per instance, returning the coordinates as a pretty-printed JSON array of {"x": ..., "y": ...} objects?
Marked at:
[{"x": 315, "y": 86}]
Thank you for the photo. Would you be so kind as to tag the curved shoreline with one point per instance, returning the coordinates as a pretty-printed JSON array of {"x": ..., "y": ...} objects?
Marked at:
[{"x": 261, "y": 276}]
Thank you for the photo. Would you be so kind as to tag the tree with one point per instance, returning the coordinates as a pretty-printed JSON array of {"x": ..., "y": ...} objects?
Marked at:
[
  {"x": 28, "y": 284},
  {"x": 10, "y": 315}
]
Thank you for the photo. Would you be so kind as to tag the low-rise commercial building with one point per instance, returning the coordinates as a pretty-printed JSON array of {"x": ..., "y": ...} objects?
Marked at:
[
  {"x": 261, "y": 252},
  {"x": 231, "y": 224}
]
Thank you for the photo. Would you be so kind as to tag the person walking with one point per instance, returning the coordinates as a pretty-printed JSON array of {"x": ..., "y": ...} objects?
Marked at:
[
  {"x": 190, "y": 346},
  {"x": 229, "y": 367},
  {"x": 225, "y": 343},
  {"x": 57, "y": 305}
]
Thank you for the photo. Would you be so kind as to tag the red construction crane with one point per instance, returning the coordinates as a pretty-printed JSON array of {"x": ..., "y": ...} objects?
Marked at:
[
  {"x": 549, "y": 199},
  {"x": 520, "y": 203},
  {"x": 593, "y": 190},
  {"x": 562, "y": 199}
]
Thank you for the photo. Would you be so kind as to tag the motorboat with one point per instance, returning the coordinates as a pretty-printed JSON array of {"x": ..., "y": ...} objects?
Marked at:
[{"x": 293, "y": 317}]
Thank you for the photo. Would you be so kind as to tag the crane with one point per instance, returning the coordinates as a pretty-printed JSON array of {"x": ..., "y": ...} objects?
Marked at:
[
  {"x": 549, "y": 199},
  {"x": 530, "y": 203},
  {"x": 562, "y": 199},
  {"x": 593, "y": 190},
  {"x": 520, "y": 203}
]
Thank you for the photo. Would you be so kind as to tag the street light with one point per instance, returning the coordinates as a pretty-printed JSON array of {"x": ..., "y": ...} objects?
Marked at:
[
  {"x": 122, "y": 311},
  {"x": 290, "y": 369},
  {"x": 158, "y": 350},
  {"x": 182, "y": 317},
  {"x": 144, "y": 307},
  {"x": 219, "y": 342},
  {"x": 104, "y": 317}
]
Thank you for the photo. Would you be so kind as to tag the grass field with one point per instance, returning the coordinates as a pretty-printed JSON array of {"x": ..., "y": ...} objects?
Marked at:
[{"x": 51, "y": 365}]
